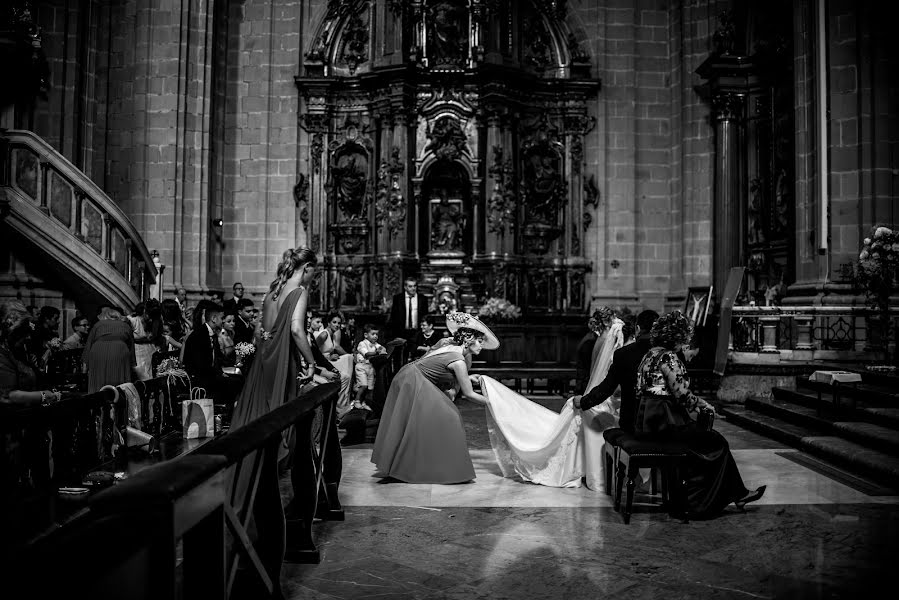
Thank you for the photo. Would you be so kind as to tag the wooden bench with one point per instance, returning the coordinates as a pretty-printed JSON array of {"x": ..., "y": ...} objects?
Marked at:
[{"x": 558, "y": 378}]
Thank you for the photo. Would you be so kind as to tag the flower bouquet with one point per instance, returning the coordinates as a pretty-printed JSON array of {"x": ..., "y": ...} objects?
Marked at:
[
  {"x": 174, "y": 373},
  {"x": 55, "y": 344},
  {"x": 244, "y": 352},
  {"x": 876, "y": 274},
  {"x": 499, "y": 309}
]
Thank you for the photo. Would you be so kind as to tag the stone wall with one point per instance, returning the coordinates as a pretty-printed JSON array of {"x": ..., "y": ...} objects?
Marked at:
[
  {"x": 185, "y": 111},
  {"x": 651, "y": 151}
]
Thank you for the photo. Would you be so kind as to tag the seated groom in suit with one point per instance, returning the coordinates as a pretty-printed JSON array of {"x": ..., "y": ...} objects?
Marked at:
[
  {"x": 623, "y": 372},
  {"x": 407, "y": 311},
  {"x": 203, "y": 356}
]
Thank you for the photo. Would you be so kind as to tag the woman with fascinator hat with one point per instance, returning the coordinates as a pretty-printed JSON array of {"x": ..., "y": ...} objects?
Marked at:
[{"x": 421, "y": 437}]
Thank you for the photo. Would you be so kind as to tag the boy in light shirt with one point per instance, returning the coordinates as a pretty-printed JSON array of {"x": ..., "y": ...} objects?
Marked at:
[{"x": 365, "y": 372}]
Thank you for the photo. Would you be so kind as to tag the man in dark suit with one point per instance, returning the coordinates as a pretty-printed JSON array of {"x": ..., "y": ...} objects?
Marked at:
[
  {"x": 230, "y": 305},
  {"x": 623, "y": 372},
  {"x": 203, "y": 356},
  {"x": 407, "y": 311},
  {"x": 243, "y": 324}
]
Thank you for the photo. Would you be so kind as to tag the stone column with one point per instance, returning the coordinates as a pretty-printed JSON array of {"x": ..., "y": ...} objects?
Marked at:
[{"x": 728, "y": 209}]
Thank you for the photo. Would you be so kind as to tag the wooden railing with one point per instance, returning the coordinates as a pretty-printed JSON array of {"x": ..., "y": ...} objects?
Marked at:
[
  {"x": 187, "y": 505},
  {"x": 47, "y": 447},
  {"x": 43, "y": 179},
  {"x": 807, "y": 332}
]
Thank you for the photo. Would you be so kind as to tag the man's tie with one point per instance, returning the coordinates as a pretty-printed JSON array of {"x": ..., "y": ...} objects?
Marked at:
[{"x": 408, "y": 311}]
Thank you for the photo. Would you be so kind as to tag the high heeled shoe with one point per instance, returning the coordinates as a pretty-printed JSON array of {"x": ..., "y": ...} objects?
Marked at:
[{"x": 751, "y": 497}]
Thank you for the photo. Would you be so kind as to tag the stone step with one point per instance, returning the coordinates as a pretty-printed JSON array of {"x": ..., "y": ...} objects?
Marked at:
[
  {"x": 876, "y": 437},
  {"x": 790, "y": 406},
  {"x": 855, "y": 458},
  {"x": 877, "y": 415},
  {"x": 776, "y": 429},
  {"x": 885, "y": 416},
  {"x": 867, "y": 431}
]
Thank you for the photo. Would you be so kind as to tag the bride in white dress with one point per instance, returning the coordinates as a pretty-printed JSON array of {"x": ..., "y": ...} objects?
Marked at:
[{"x": 539, "y": 445}]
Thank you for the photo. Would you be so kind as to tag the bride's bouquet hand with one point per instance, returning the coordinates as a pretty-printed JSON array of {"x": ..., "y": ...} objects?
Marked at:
[{"x": 475, "y": 380}]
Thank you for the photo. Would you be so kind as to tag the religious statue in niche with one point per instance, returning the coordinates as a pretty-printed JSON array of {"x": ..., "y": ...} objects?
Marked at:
[
  {"x": 447, "y": 37},
  {"x": 447, "y": 140},
  {"x": 349, "y": 182},
  {"x": 448, "y": 223},
  {"x": 542, "y": 184}
]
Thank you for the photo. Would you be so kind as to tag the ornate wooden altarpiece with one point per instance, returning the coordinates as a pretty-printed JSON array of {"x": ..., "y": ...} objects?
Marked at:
[{"x": 446, "y": 143}]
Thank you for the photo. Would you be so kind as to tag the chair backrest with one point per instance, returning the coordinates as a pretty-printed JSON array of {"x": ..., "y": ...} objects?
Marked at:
[{"x": 65, "y": 362}]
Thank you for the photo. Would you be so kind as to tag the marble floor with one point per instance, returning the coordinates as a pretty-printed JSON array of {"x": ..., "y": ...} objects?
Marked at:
[{"x": 817, "y": 533}]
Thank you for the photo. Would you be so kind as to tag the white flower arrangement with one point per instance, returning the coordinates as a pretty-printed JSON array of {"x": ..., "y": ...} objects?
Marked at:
[
  {"x": 170, "y": 367},
  {"x": 54, "y": 344},
  {"x": 499, "y": 308},
  {"x": 244, "y": 350}
]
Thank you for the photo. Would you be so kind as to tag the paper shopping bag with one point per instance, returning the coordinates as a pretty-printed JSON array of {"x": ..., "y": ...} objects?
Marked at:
[{"x": 197, "y": 415}]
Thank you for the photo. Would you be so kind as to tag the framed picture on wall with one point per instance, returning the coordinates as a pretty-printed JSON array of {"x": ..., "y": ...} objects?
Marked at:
[{"x": 698, "y": 304}]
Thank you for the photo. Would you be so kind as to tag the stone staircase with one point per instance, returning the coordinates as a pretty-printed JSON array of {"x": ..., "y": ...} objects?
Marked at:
[{"x": 859, "y": 434}]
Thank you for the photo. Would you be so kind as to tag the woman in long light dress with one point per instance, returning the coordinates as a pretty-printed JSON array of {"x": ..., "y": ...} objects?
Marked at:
[
  {"x": 538, "y": 445},
  {"x": 329, "y": 342}
]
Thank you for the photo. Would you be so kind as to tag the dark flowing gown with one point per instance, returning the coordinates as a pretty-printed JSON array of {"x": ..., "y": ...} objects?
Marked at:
[
  {"x": 664, "y": 400},
  {"x": 271, "y": 381},
  {"x": 421, "y": 436}
]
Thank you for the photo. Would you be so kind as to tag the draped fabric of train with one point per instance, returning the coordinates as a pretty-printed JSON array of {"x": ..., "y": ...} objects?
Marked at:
[{"x": 549, "y": 448}]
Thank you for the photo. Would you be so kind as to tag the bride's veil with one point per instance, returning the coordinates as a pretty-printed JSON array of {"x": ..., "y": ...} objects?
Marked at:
[
  {"x": 611, "y": 339},
  {"x": 599, "y": 418}
]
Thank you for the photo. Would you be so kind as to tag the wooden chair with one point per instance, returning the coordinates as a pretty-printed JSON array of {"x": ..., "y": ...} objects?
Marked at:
[{"x": 633, "y": 454}]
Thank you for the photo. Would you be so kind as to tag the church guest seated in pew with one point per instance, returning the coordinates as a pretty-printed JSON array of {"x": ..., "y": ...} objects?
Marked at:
[
  {"x": 203, "y": 356},
  {"x": 18, "y": 375}
]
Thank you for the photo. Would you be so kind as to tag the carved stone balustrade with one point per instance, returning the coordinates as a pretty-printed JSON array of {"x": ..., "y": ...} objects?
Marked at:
[{"x": 803, "y": 334}]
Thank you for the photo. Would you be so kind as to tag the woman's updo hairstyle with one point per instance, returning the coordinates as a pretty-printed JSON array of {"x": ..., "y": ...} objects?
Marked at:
[
  {"x": 464, "y": 336},
  {"x": 11, "y": 314},
  {"x": 291, "y": 261},
  {"x": 671, "y": 330},
  {"x": 602, "y": 319}
]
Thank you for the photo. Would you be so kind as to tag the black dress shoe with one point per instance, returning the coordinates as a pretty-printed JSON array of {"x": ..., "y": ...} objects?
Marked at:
[{"x": 751, "y": 497}]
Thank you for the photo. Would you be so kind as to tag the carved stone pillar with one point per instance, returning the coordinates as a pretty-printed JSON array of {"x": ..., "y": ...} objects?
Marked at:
[
  {"x": 769, "y": 334},
  {"x": 497, "y": 222},
  {"x": 728, "y": 206},
  {"x": 729, "y": 79},
  {"x": 804, "y": 325}
]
